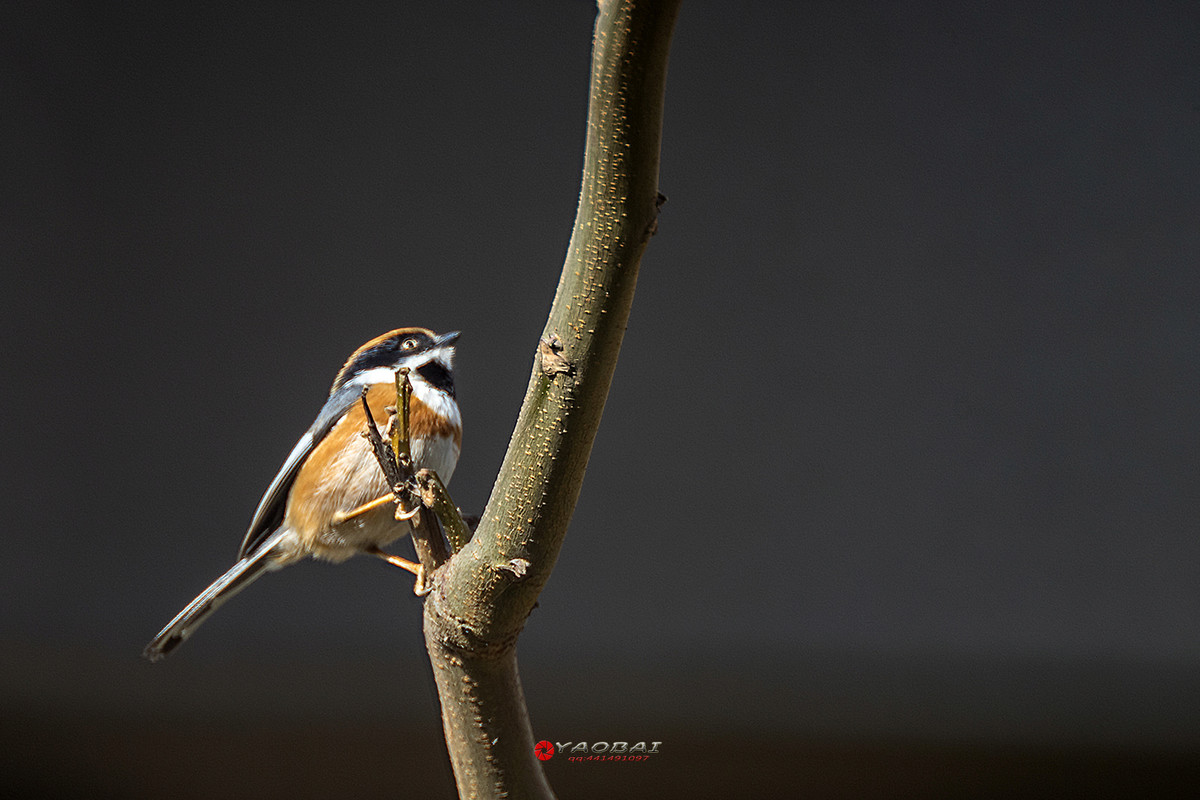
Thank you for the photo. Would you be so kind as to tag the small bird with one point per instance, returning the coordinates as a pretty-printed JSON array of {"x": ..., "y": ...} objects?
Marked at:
[{"x": 330, "y": 499}]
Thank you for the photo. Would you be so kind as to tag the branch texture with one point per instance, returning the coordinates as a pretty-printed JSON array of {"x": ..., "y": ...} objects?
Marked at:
[{"x": 483, "y": 595}]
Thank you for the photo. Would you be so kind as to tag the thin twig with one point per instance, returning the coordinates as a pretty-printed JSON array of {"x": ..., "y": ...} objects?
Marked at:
[
  {"x": 384, "y": 453},
  {"x": 401, "y": 445}
]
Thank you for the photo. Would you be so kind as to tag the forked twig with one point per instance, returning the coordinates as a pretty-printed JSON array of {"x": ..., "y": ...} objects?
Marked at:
[{"x": 432, "y": 510}]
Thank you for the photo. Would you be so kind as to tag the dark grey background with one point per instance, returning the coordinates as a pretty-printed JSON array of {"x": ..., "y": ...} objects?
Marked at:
[{"x": 902, "y": 449}]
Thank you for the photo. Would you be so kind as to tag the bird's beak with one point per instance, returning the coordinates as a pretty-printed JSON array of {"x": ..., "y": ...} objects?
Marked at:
[{"x": 446, "y": 339}]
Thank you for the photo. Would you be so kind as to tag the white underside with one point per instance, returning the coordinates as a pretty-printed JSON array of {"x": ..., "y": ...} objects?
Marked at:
[{"x": 439, "y": 454}]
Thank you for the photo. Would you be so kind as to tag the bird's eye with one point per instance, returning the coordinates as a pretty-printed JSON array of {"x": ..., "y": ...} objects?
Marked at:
[{"x": 408, "y": 344}]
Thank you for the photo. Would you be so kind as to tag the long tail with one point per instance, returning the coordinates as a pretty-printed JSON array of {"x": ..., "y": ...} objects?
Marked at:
[{"x": 239, "y": 576}]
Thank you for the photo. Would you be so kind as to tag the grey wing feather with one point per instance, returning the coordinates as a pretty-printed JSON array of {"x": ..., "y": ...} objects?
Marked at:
[{"x": 269, "y": 515}]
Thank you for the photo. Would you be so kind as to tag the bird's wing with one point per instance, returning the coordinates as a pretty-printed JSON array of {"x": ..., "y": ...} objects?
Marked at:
[{"x": 271, "y": 508}]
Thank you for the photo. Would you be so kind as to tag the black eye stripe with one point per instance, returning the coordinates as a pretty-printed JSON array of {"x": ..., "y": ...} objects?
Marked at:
[
  {"x": 390, "y": 353},
  {"x": 387, "y": 353}
]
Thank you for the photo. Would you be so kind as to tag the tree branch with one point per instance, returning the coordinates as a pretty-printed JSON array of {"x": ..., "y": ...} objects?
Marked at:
[{"x": 483, "y": 595}]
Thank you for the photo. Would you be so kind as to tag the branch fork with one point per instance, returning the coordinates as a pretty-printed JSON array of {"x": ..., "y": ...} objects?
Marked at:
[{"x": 421, "y": 498}]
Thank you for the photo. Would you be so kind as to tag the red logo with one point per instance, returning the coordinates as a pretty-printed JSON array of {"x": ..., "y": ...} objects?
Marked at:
[{"x": 543, "y": 750}]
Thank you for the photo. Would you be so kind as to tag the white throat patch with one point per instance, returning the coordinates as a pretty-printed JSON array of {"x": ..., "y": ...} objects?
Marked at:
[{"x": 427, "y": 393}]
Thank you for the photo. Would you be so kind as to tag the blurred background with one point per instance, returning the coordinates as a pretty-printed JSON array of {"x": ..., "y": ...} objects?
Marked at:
[{"x": 897, "y": 487}]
